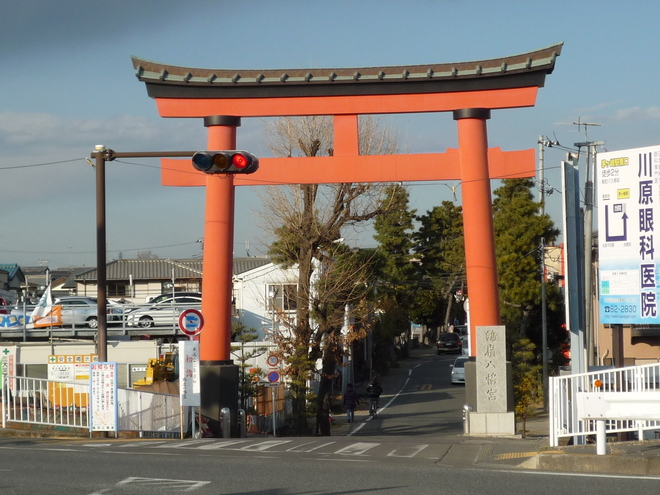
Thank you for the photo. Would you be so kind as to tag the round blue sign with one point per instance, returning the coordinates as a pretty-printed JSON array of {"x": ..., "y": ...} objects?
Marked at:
[{"x": 274, "y": 376}]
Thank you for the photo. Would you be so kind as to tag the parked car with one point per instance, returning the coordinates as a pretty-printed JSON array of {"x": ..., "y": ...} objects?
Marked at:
[
  {"x": 167, "y": 295},
  {"x": 81, "y": 311},
  {"x": 5, "y": 306},
  {"x": 458, "y": 370},
  {"x": 166, "y": 312},
  {"x": 449, "y": 342}
]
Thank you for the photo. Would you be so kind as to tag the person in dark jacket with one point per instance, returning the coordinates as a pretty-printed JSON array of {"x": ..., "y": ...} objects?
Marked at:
[
  {"x": 374, "y": 390},
  {"x": 350, "y": 402}
]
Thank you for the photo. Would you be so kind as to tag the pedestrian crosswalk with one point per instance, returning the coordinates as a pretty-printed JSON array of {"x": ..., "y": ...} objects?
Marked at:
[{"x": 323, "y": 447}]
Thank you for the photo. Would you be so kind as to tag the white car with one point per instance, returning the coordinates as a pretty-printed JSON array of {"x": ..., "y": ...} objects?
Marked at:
[
  {"x": 458, "y": 370},
  {"x": 166, "y": 312}
]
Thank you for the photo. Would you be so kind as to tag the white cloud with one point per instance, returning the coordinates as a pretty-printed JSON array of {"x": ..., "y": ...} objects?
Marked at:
[
  {"x": 40, "y": 132},
  {"x": 637, "y": 114}
]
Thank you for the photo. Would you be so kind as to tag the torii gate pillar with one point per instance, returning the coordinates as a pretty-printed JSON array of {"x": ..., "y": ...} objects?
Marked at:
[
  {"x": 219, "y": 376},
  {"x": 481, "y": 267}
]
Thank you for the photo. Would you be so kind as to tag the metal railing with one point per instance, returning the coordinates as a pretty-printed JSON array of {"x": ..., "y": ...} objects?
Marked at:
[
  {"x": 44, "y": 402},
  {"x": 65, "y": 404},
  {"x": 564, "y": 420}
]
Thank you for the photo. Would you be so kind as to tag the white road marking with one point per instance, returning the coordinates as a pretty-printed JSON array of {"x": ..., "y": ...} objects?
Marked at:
[
  {"x": 167, "y": 485},
  {"x": 221, "y": 444},
  {"x": 299, "y": 448},
  {"x": 358, "y": 448},
  {"x": 408, "y": 451},
  {"x": 189, "y": 444},
  {"x": 260, "y": 447}
]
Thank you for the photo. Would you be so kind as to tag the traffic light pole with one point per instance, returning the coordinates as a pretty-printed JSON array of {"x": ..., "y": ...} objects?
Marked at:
[{"x": 103, "y": 155}]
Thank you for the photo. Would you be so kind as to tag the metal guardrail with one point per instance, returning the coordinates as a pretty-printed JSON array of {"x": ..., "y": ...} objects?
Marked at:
[
  {"x": 564, "y": 420},
  {"x": 65, "y": 404}
]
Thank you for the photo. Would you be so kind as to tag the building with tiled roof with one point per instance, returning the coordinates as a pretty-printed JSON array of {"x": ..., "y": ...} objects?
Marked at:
[{"x": 136, "y": 280}]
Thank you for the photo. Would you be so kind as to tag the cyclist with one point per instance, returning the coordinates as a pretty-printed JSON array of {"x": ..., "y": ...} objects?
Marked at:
[{"x": 373, "y": 391}]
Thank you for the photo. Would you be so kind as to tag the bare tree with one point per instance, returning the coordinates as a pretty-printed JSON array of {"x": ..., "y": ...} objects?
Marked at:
[{"x": 307, "y": 222}]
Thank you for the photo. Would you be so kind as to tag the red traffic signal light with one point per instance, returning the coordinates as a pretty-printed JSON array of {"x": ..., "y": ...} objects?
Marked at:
[{"x": 225, "y": 162}]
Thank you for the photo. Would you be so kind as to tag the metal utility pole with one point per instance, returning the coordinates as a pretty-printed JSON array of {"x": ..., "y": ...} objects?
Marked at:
[
  {"x": 102, "y": 155},
  {"x": 588, "y": 237},
  {"x": 543, "y": 142}
]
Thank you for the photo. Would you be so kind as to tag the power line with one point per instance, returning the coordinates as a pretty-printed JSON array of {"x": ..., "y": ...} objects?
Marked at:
[{"x": 41, "y": 164}]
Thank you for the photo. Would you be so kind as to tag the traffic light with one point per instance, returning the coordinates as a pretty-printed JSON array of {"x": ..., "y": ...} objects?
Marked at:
[{"x": 225, "y": 162}]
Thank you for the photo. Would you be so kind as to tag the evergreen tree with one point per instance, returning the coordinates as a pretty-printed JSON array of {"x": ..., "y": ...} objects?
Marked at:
[
  {"x": 396, "y": 272},
  {"x": 440, "y": 248},
  {"x": 248, "y": 376},
  {"x": 527, "y": 381},
  {"x": 519, "y": 228}
]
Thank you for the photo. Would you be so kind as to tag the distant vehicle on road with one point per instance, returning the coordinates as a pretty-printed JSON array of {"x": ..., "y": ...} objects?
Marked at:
[
  {"x": 449, "y": 343},
  {"x": 166, "y": 312},
  {"x": 458, "y": 370}
]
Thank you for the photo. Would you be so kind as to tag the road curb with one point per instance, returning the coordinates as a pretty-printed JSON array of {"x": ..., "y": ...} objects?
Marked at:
[{"x": 597, "y": 464}]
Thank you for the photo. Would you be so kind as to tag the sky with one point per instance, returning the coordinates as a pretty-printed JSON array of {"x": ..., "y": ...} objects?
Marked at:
[{"x": 67, "y": 84}]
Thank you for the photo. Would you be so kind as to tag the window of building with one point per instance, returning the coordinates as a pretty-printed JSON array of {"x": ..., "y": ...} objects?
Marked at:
[
  {"x": 282, "y": 296},
  {"x": 116, "y": 289}
]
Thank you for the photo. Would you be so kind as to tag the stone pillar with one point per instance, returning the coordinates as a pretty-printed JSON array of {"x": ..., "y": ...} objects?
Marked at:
[{"x": 492, "y": 395}]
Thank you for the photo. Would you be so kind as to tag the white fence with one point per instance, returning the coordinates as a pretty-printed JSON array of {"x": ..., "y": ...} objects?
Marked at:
[
  {"x": 564, "y": 420},
  {"x": 65, "y": 404}
]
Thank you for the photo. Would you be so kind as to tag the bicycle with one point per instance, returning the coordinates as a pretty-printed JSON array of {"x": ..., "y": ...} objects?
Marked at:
[{"x": 373, "y": 407}]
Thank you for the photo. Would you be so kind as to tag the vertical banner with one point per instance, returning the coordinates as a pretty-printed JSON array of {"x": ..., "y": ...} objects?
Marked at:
[
  {"x": 189, "y": 379},
  {"x": 103, "y": 390},
  {"x": 628, "y": 196},
  {"x": 8, "y": 366},
  {"x": 574, "y": 268}
]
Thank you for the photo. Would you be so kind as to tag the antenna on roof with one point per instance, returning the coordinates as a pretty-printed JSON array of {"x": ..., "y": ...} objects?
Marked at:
[
  {"x": 585, "y": 125},
  {"x": 247, "y": 247}
]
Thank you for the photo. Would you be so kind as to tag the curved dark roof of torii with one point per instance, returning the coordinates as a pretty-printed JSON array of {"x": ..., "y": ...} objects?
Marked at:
[{"x": 523, "y": 70}]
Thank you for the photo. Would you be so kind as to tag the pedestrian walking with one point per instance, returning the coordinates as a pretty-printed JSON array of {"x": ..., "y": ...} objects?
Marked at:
[{"x": 350, "y": 402}]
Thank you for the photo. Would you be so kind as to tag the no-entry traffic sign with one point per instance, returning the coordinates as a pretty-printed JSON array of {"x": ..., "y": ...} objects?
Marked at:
[{"x": 191, "y": 322}]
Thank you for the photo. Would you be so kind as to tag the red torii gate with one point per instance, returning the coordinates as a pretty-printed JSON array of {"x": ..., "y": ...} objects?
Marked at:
[{"x": 469, "y": 89}]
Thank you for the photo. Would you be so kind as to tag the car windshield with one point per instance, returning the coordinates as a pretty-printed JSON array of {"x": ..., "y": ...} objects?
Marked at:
[
  {"x": 460, "y": 363},
  {"x": 450, "y": 336}
]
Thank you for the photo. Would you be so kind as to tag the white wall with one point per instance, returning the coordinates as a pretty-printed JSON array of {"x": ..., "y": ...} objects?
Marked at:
[{"x": 251, "y": 289}]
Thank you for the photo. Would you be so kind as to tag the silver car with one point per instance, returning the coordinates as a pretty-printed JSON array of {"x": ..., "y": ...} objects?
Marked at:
[
  {"x": 458, "y": 370},
  {"x": 166, "y": 312},
  {"x": 82, "y": 311}
]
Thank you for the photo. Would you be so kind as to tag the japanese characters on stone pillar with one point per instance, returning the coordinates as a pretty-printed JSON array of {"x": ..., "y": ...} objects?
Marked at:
[{"x": 491, "y": 369}]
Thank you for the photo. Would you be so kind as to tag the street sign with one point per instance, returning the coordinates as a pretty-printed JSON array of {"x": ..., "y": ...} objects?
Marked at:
[
  {"x": 274, "y": 376},
  {"x": 191, "y": 322},
  {"x": 273, "y": 361}
]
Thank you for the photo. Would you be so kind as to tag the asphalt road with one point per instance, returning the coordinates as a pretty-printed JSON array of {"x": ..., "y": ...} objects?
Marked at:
[
  {"x": 55, "y": 468},
  {"x": 414, "y": 446}
]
